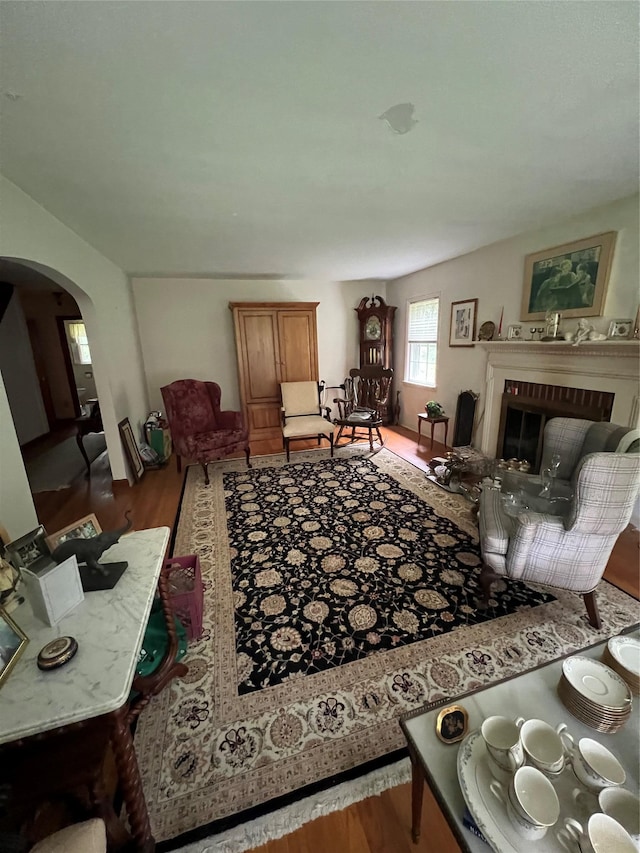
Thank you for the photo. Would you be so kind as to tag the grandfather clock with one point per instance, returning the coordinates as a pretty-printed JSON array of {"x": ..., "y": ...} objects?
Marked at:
[{"x": 376, "y": 332}]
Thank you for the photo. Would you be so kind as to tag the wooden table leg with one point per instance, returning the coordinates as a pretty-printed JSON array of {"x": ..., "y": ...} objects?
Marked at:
[
  {"x": 130, "y": 781},
  {"x": 419, "y": 429},
  {"x": 79, "y": 438},
  {"x": 446, "y": 430},
  {"x": 417, "y": 791},
  {"x": 432, "y": 428}
]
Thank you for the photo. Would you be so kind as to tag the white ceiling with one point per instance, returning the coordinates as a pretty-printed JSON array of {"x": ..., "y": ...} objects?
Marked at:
[{"x": 244, "y": 137}]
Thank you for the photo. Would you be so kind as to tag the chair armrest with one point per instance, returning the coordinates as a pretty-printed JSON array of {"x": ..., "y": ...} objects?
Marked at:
[
  {"x": 529, "y": 527},
  {"x": 327, "y": 412},
  {"x": 230, "y": 420}
]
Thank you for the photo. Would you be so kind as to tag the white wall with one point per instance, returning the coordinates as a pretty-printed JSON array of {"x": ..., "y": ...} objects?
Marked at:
[
  {"x": 186, "y": 327},
  {"x": 102, "y": 291},
  {"x": 494, "y": 275},
  {"x": 19, "y": 373}
]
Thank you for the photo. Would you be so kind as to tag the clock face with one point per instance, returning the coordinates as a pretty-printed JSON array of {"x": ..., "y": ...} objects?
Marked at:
[{"x": 373, "y": 328}]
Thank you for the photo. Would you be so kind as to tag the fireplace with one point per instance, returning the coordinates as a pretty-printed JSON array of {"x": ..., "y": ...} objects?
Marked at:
[
  {"x": 598, "y": 381},
  {"x": 527, "y": 406}
]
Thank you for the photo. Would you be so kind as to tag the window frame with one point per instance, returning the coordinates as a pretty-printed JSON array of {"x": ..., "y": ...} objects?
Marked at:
[{"x": 408, "y": 342}]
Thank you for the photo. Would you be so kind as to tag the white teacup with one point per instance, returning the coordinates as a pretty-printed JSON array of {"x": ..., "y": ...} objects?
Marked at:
[
  {"x": 531, "y": 801},
  {"x": 504, "y": 750},
  {"x": 545, "y": 746},
  {"x": 595, "y": 766},
  {"x": 602, "y": 834},
  {"x": 623, "y": 806}
]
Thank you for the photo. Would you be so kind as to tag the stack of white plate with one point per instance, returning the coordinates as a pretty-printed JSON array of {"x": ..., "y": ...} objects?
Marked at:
[
  {"x": 594, "y": 693},
  {"x": 622, "y": 654}
]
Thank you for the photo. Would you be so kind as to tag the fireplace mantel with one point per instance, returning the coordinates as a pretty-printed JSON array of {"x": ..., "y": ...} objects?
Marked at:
[
  {"x": 595, "y": 365},
  {"x": 606, "y": 349}
]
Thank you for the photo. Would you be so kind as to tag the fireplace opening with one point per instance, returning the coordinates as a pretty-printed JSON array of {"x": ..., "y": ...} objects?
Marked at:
[{"x": 526, "y": 408}]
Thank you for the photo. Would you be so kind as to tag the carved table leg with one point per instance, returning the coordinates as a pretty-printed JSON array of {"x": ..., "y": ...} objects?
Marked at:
[
  {"x": 130, "y": 781},
  {"x": 417, "y": 790},
  {"x": 79, "y": 438}
]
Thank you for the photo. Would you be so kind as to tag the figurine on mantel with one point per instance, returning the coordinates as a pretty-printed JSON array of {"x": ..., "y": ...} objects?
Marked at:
[
  {"x": 94, "y": 575},
  {"x": 585, "y": 332}
]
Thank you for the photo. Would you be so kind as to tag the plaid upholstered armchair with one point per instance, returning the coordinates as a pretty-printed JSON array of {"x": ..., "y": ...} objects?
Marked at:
[
  {"x": 569, "y": 552},
  {"x": 199, "y": 430}
]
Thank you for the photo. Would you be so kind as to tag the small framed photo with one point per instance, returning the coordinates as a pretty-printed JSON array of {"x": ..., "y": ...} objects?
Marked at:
[
  {"x": 131, "y": 449},
  {"x": 462, "y": 332},
  {"x": 12, "y": 643},
  {"x": 514, "y": 332},
  {"x": 619, "y": 329},
  {"x": 29, "y": 551},
  {"x": 452, "y": 724},
  {"x": 84, "y": 528}
]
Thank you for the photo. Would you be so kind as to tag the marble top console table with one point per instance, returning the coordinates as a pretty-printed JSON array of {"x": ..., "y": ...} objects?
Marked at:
[{"x": 95, "y": 685}]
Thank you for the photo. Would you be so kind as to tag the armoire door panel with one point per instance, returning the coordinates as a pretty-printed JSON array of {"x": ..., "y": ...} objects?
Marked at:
[
  {"x": 264, "y": 419},
  {"x": 261, "y": 357},
  {"x": 298, "y": 346}
]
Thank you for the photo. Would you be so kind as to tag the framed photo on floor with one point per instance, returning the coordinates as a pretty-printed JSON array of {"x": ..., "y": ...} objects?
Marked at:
[
  {"x": 83, "y": 528},
  {"x": 131, "y": 449},
  {"x": 463, "y": 323}
]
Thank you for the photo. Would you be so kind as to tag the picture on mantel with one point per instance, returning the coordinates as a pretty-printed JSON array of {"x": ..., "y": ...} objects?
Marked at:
[{"x": 571, "y": 279}]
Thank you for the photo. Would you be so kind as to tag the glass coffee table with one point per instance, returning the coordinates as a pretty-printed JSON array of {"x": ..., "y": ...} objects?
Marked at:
[
  {"x": 361, "y": 423},
  {"x": 531, "y": 695}
]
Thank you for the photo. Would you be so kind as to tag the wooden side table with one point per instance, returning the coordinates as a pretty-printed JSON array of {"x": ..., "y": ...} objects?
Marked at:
[{"x": 423, "y": 417}]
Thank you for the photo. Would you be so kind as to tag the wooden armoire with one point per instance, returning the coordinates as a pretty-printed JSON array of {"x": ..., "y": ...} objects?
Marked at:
[{"x": 275, "y": 342}]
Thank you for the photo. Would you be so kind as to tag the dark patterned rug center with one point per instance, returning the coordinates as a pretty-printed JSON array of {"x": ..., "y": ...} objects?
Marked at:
[{"x": 332, "y": 561}]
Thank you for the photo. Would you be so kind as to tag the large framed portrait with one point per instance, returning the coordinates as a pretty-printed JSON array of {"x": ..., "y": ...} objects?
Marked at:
[
  {"x": 463, "y": 323},
  {"x": 12, "y": 643},
  {"x": 571, "y": 279}
]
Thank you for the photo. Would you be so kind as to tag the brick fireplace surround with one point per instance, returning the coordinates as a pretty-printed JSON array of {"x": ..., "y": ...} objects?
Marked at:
[{"x": 607, "y": 366}]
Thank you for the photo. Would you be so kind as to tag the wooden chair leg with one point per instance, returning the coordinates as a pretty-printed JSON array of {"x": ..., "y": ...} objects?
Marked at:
[
  {"x": 286, "y": 447},
  {"x": 592, "y": 609},
  {"x": 331, "y": 443},
  {"x": 247, "y": 453},
  {"x": 179, "y": 462},
  {"x": 487, "y": 578},
  {"x": 205, "y": 468}
]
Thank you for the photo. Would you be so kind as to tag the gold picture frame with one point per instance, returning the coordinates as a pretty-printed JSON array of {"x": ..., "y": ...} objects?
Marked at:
[
  {"x": 571, "y": 279},
  {"x": 83, "y": 528},
  {"x": 452, "y": 724},
  {"x": 13, "y": 641}
]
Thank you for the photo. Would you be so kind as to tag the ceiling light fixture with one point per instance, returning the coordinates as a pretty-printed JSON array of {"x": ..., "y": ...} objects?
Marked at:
[{"x": 400, "y": 118}]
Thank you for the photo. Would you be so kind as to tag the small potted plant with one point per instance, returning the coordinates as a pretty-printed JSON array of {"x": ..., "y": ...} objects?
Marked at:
[{"x": 434, "y": 409}]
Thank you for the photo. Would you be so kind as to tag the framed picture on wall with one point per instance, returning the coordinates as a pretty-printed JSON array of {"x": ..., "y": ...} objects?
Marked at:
[
  {"x": 131, "y": 449},
  {"x": 463, "y": 323},
  {"x": 571, "y": 278}
]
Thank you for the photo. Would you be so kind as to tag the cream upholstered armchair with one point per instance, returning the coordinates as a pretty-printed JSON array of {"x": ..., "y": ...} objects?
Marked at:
[
  {"x": 569, "y": 551},
  {"x": 302, "y": 413}
]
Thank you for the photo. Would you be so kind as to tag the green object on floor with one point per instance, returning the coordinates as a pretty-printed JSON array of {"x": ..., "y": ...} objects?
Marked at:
[{"x": 156, "y": 641}]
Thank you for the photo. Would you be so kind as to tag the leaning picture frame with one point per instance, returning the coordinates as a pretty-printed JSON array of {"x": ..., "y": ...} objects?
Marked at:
[
  {"x": 571, "y": 279},
  {"x": 13, "y": 641},
  {"x": 131, "y": 449},
  {"x": 620, "y": 329},
  {"x": 83, "y": 528},
  {"x": 462, "y": 331},
  {"x": 32, "y": 548}
]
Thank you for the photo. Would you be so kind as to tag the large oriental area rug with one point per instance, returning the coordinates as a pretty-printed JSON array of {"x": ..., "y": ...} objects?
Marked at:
[{"x": 339, "y": 594}]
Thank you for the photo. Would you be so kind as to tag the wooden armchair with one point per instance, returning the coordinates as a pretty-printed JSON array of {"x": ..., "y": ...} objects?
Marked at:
[{"x": 367, "y": 387}]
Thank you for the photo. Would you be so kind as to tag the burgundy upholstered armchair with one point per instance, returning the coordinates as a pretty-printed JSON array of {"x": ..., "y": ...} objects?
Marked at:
[{"x": 200, "y": 431}]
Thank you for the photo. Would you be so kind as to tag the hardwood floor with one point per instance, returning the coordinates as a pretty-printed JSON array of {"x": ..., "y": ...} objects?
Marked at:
[{"x": 375, "y": 825}]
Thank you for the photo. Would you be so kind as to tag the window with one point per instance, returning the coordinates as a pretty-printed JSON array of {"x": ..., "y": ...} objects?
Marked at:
[
  {"x": 422, "y": 342},
  {"x": 78, "y": 343}
]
